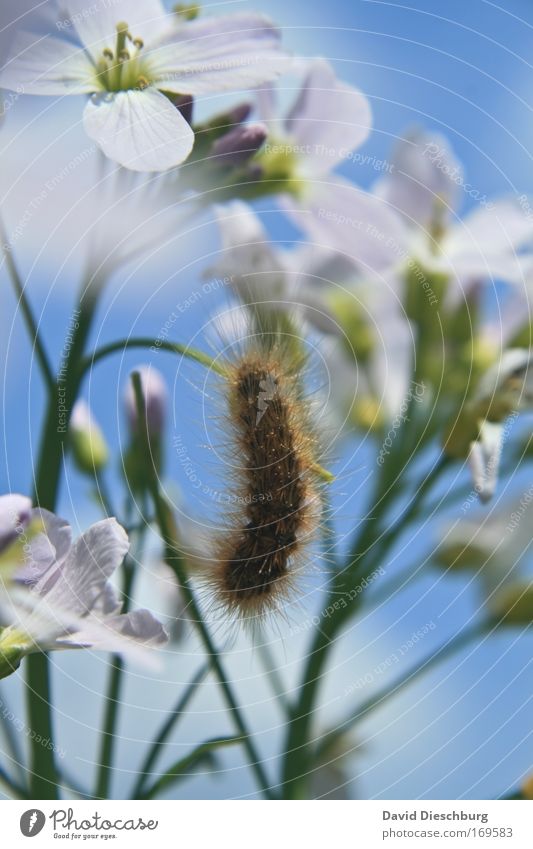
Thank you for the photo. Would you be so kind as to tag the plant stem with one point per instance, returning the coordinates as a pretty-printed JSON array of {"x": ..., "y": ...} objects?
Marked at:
[
  {"x": 174, "y": 559},
  {"x": 112, "y": 702},
  {"x": 43, "y": 773},
  {"x": 27, "y": 313},
  {"x": 297, "y": 751},
  {"x": 166, "y": 730},
  {"x": 157, "y": 344}
]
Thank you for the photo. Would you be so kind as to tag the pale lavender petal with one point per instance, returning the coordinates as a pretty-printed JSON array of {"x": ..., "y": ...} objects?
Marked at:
[
  {"x": 218, "y": 54},
  {"x": 96, "y": 24},
  {"x": 424, "y": 176},
  {"x": 141, "y": 130},
  {"x": 90, "y": 563},
  {"x": 485, "y": 243},
  {"x": 46, "y": 551},
  {"x": 247, "y": 258},
  {"x": 48, "y": 65},
  {"x": 341, "y": 216},
  {"x": 329, "y": 119}
]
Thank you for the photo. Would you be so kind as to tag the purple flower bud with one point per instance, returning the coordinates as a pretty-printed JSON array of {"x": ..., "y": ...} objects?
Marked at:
[
  {"x": 240, "y": 144},
  {"x": 155, "y": 399}
]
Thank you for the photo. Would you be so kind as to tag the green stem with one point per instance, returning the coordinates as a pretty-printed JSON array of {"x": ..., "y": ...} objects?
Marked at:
[
  {"x": 175, "y": 561},
  {"x": 168, "y": 727},
  {"x": 43, "y": 773},
  {"x": 297, "y": 751},
  {"x": 27, "y": 313},
  {"x": 112, "y": 702},
  {"x": 152, "y": 344}
]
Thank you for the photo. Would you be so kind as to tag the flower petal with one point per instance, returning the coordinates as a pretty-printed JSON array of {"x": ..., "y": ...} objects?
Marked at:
[
  {"x": 424, "y": 173},
  {"x": 330, "y": 118},
  {"x": 218, "y": 54},
  {"x": 341, "y": 216},
  {"x": 247, "y": 257},
  {"x": 141, "y": 130},
  {"x": 48, "y": 65},
  {"x": 96, "y": 24},
  {"x": 45, "y": 551},
  {"x": 87, "y": 568},
  {"x": 485, "y": 243},
  {"x": 484, "y": 459}
]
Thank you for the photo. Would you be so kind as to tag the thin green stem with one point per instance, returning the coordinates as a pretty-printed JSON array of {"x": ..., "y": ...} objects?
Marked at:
[
  {"x": 63, "y": 393},
  {"x": 166, "y": 730},
  {"x": 360, "y": 566},
  {"x": 175, "y": 561},
  {"x": 152, "y": 344},
  {"x": 114, "y": 688},
  {"x": 27, "y": 313}
]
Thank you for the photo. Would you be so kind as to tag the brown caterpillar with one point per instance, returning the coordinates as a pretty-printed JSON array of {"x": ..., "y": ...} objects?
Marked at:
[{"x": 257, "y": 560}]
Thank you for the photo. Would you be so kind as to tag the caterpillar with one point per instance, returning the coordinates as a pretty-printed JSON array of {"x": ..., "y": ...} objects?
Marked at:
[{"x": 259, "y": 556}]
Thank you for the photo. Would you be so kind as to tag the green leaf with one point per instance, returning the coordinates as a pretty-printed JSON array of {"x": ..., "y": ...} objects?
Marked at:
[{"x": 202, "y": 755}]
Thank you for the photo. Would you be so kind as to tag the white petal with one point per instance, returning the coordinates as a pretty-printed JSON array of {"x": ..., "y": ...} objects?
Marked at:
[
  {"x": 424, "y": 174},
  {"x": 96, "y": 24},
  {"x": 330, "y": 118},
  {"x": 47, "y": 550},
  {"x": 343, "y": 217},
  {"x": 47, "y": 65},
  {"x": 484, "y": 459},
  {"x": 141, "y": 130},
  {"x": 491, "y": 231},
  {"x": 218, "y": 54},
  {"x": 247, "y": 257},
  {"x": 90, "y": 563}
]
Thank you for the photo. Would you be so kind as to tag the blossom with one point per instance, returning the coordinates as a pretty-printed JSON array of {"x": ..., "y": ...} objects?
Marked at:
[
  {"x": 478, "y": 432},
  {"x": 15, "y": 514},
  {"x": 424, "y": 186},
  {"x": 87, "y": 441},
  {"x": 132, "y": 58},
  {"x": 327, "y": 123},
  {"x": 365, "y": 340},
  {"x": 59, "y": 596}
]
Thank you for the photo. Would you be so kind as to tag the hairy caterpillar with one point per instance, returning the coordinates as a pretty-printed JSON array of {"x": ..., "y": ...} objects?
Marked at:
[{"x": 277, "y": 489}]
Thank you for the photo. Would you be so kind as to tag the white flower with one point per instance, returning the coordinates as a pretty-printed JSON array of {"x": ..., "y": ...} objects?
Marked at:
[
  {"x": 507, "y": 387},
  {"x": 424, "y": 185},
  {"x": 60, "y": 596},
  {"x": 326, "y": 124},
  {"x": 128, "y": 56},
  {"x": 318, "y": 285}
]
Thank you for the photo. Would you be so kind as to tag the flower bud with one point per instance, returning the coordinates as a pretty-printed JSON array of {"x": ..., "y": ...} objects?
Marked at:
[
  {"x": 240, "y": 144},
  {"x": 155, "y": 401},
  {"x": 87, "y": 442},
  {"x": 514, "y": 605}
]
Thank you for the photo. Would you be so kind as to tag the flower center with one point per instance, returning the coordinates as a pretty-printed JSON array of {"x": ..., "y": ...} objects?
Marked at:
[{"x": 123, "y": 69}]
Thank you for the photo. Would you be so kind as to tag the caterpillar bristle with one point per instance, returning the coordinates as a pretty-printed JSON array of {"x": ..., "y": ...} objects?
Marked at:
[{"x": 273, "y": 448}]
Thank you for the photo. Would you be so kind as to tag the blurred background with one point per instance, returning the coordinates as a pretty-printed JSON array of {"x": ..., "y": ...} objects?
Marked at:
[{"x": 463, "y": 731}]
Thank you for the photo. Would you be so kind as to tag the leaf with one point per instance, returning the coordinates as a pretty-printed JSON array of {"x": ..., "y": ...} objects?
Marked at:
[{"x": 203, "y": 754}]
